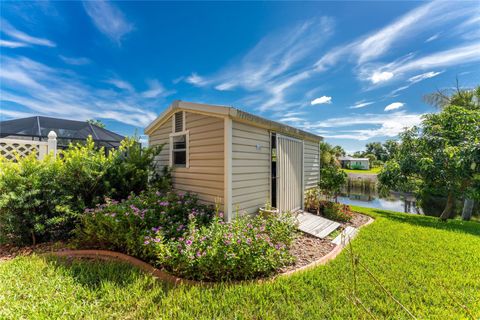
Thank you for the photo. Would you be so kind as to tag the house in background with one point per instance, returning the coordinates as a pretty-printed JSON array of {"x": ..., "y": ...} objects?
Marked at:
[
  {"x": 235, "y": 158},
  {"x": 348, "y": 162},
  {"x": 33, "y": 135}
]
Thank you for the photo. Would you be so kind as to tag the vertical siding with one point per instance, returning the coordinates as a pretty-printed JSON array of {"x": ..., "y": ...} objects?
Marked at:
[
  {"x": 311, "y": 164},
  {"x": 250, "y": 167},
  {"x": 205, "y": 174}
]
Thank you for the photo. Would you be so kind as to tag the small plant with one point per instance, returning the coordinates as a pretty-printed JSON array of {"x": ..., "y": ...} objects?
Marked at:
[
  {"x": 246, "y": 248},
  {"x": 125, "y": 225},
  {"x": 336, "y": 211}
]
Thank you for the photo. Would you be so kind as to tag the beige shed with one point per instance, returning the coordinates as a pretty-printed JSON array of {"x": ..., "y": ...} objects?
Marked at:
[{"x": 235, "y": 158}]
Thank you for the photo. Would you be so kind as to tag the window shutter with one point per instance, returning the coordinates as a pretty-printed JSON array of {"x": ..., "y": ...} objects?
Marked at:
[{"x": 179, "y": 121}]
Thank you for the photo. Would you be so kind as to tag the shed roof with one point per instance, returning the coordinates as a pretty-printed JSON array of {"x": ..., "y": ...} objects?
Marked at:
[
  {"x": 233, "y": 113},
  {"x": 348, "y": 158}
]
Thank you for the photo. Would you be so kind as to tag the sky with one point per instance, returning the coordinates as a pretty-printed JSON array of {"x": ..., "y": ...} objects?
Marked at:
[{"x": 352, "y": 72}]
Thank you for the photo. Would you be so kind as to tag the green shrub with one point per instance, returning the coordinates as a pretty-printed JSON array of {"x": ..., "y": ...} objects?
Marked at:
[
  {"x": 41, "y": 200},
  {"x": 246, "y": 248},
  {"x": 124, "y": 225},
  {"x": 336, "y": 211},
  {"x": 33, "y": 205}
]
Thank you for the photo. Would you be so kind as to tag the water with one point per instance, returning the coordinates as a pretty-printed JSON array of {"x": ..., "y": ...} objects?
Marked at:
[{"x": 363, "y": 191}]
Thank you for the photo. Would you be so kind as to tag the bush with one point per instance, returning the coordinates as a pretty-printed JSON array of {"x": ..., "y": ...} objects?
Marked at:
[
  {"x": 247, "y": 248},
  {"x": 42, "y": 200},
  {"x": 33, "y": 205},
  {"x": 336, "y": 211},
  {"x": 124, "y": 225}
]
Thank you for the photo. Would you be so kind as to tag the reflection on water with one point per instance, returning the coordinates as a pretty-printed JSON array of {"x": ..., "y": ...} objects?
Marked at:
[{"x": 363, "y": 192}]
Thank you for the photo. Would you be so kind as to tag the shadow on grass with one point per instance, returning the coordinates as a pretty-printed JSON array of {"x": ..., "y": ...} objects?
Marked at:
[
  {"x": 94, "y": 273},
  {"x": 431, "y": 222}
]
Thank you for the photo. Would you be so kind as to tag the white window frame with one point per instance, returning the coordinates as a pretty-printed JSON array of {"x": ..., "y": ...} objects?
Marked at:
[{"x": 187, "y": 144}]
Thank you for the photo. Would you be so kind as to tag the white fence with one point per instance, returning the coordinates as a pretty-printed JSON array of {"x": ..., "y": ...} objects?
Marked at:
[{"x": 11, "y": 147}]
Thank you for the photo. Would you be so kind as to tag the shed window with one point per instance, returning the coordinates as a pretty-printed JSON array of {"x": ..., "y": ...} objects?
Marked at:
[{"x": 179, "y": 149}]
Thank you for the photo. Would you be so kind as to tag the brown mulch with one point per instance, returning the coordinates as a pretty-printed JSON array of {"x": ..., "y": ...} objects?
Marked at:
[
  {"x": 307, "y": 248},
  {"x": 8, "y": 251},
  {"x": 358, "y": 220}
]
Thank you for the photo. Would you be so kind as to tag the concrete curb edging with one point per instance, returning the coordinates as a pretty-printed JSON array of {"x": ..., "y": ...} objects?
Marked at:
[{"x": 173, "y": 280}]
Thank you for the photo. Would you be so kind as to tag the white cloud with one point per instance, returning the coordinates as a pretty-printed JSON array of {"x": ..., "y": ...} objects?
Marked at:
[
  {"x": 108, "y": 19},
  {"x": 378, "y": 77},
  {"x": 394, "y": 106},
  {"x": 424, "y": 76},
  {"x": 321, "y": 100},
  {"x": 121, "y": 84},
  {"x": 273, "y": 66},
  {"x": 156, "y": 89},
  {"x": 12, "y": 44},
  {"x": 196, "y": 80},
  {"x": 75, "y": 61},
  {"x": 361, "y": 104},
  {"x": 45, "y": 90},
  {"x": 442, "y": 59},
  {"x": 24, "y": 38},
  {"x": 434, "y": 37},
  {"x": 384, "y": 125},
  {"x": 414, "y": 23}
]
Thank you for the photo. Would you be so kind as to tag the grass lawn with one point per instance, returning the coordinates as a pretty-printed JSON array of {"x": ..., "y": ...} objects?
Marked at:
[
  {"x": 430, "y": 266},
  {"x": 375, "y": 170}
]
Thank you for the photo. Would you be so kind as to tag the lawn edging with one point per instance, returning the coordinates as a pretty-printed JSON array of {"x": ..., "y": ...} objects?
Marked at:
[{"x": 174, "y": 280}]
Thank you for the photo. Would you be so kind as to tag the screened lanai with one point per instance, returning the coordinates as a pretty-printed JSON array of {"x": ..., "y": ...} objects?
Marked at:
[{"x": 37, "y": 128}]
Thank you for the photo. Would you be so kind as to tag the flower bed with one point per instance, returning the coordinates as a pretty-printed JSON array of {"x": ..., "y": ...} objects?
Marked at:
[{"x": 190, "y": 240}]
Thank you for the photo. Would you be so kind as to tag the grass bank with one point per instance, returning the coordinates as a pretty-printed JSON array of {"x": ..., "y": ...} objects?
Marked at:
[{"x": 430, "y": 266}]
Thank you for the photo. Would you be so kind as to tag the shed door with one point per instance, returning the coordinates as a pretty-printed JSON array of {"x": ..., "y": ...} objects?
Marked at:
[{"x": 289, "y": 173}]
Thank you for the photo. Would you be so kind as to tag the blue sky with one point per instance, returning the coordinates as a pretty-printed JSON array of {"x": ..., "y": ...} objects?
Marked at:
[{"x": 353, "y": 72}]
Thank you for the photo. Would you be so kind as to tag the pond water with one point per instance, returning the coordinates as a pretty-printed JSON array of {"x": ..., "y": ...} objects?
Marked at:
[{"x": 363, "y": 191}]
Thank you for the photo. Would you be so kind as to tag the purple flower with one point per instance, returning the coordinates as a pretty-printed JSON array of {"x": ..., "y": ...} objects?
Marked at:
[
  {"x": 199, "y": 254},
  {"x": 158, "y": 193},
  {"x": 220, "y": 214},
  {"x": 146, "y": 242},
  {"x": 227, "y": 242},
  {"x": 163, "y": 203},
  {"x": 239, "y": 241},
  {"x": 249, "y": 241},
  {"x": 188, "y": 242}
]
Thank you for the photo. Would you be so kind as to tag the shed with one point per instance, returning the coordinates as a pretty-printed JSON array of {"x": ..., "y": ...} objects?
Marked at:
[{"x": 235, "y": 158}]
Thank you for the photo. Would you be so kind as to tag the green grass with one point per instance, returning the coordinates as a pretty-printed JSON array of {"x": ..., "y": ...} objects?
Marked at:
[
  {"x": 414, "y": 257},
  {"x": 375, "y": 170}
]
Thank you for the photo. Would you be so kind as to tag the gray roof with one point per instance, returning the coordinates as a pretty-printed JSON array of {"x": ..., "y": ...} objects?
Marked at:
[{"x": 348, "y": 158}]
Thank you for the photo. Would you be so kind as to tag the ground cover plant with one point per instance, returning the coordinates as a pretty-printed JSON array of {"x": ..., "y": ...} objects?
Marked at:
[
  {"x": 428, "y": 265},
  {"x": 246, "y": 248},
  {"x": 188, "y": 239},
  {"x": 128, "y": 225},
  {"x": 315, "y": 203}
]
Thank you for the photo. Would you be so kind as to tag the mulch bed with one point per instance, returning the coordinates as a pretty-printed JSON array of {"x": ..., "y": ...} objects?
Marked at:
[
  {"x": 307, "y": 248},
  {"x": 8, "y": 251}
]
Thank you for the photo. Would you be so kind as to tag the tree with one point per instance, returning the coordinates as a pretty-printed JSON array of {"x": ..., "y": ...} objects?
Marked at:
[
  {"x": 332, "y": 179},
  {"x": 371, "y": 157},
  {"x": 391, "y": 149},
  {"x": 468, "y": 99},
  {"x": 443, "y": 154},
  {"x": 96, "y": 122},
  {"x": 338, "y": 151},
  {"x": 377, "y": 149}
]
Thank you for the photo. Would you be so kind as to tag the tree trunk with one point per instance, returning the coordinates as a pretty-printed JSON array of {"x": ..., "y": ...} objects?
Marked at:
[
  {"x": 467, "y": 209},
  {"x": 448, "y": 207}
]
